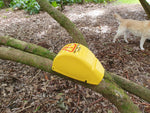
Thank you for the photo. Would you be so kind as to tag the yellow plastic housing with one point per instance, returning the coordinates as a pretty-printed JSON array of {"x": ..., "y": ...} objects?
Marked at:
[{"x": 78, "y": 62}]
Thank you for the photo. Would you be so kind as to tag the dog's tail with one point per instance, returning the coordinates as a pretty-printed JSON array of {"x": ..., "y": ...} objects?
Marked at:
[{"x": 118, "y": 17}]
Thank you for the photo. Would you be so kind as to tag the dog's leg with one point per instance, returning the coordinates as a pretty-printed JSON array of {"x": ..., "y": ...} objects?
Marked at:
[
  {"x": 142, "y": 42},
  {"x": 120, "y": 32},
  {"x": 116, "y": 36},
  {"x": 125, "y": 36}
]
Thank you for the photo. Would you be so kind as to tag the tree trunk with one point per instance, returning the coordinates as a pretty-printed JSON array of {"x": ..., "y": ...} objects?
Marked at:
[
  {"x": 107, "y": 88},
  {"x": 6, "y": 3},
  {"x": 82, "y": 1},
  {"x": 146, "y": 7},
  {"x": 63, "y": 21}
]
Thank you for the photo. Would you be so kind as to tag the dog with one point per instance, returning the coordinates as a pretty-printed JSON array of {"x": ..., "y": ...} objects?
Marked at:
[{"x": 137, "y": 28}]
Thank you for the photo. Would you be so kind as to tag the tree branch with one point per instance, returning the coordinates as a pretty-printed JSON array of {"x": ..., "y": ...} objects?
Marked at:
[
  {"x": 63, "y": 21},
  {"x": 146, "y": 7},
  {"x": 28, "y": 47},
  {"x": 132, "y": 87},
  {"x": 107, "y": 88},
  {"x": 126, "y": 84}
]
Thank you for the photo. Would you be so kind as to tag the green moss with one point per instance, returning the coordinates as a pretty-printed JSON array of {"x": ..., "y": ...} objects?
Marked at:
[
  {"x": 108, "y": 76},
  {"x": 13, "y": 43},
  {"x": 35, "y": 50}
]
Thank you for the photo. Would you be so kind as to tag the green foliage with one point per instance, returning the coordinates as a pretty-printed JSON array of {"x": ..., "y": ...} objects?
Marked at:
[
  {"x": 54, "y": 4},
  {"x": 1, "y": 4},
  {"x": 30, "y": 6},
  {"x": 77, "y": 1},
  {"x": 37, "y": 108},
  {"x": 64, "y": 2}
]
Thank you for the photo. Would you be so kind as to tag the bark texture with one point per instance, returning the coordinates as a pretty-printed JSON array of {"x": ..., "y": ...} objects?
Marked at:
[
  {"x": 146, "y": 7},
  {"x": 28, "y": 47},
  {"x": 63, "y": 21},
  {"x": 107, "y": 88},
  {"x": 132, "y": 87}
]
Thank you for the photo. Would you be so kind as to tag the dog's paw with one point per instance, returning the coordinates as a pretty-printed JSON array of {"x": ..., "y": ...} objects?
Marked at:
[
  {"x": 114, "y": 41},
  {"x": 142, "y": 49}
]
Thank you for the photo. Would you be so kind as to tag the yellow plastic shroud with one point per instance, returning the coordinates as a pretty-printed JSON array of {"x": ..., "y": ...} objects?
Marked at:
[{"x": 78, "y": 62}]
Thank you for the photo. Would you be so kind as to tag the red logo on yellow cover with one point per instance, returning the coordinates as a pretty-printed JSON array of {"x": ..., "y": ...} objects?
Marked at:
[{"x": 70, "y": 47}]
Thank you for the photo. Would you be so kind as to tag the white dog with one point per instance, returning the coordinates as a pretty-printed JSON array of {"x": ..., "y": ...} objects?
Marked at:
[{"x": 138, "y": 28}]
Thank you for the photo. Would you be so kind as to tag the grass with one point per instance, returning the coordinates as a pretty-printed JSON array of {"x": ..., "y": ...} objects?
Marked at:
[{"x": 128, "y": 1}]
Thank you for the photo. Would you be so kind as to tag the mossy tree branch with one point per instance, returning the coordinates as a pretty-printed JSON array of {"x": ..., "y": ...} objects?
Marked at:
[
  {"x": 63, "y": 21},
  {"x": 126, "y": 84},
  {"x": 107, "y": 88},
  {"x": 28, "y": 47},
  {"x": 132, "y": 87}
]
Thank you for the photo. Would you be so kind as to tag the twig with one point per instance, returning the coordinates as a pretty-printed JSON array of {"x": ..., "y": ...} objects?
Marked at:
[
  {"x": 78, "y": 99},
  {"x": 23, "y": 109},
  {"x": 146, "y": 104},
  {"x": 96, "y": 101},
  {"x": 14, "y": 77},
  {"x": 3, "y": 74},
  {"x": 35, "y": 76}
]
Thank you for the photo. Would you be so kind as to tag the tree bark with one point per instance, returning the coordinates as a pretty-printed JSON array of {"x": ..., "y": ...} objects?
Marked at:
[
  {"x": 82, "y": 1},
  {"x": 63, "y": 21},
  {"x": 28, "y": 47},
  {"x": 132, "y": 87},
  {"x": 107, "y": 88},
  {"x": 6, "y": 3},
  {"x": 146, "y": 7},
  {"x": 126, "y": 84}
]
